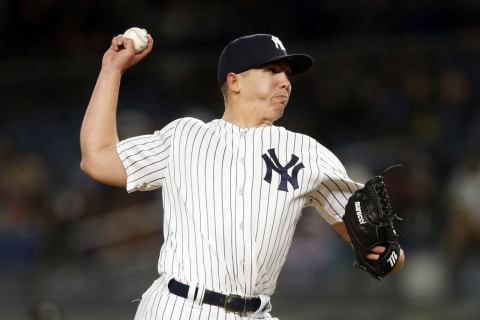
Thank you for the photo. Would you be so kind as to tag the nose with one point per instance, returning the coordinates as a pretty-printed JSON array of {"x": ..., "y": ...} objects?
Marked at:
[{"x": 285, "y": 81}]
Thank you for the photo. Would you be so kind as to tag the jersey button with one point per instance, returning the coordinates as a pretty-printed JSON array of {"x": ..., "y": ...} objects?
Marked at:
[
  {"x": 241, "y": 225},
  {"x": 240, "y": 192}
]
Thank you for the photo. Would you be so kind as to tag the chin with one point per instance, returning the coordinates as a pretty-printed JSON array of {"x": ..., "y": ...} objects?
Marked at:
[
  {"x": 278, "y": 115},
  {"x": 280, "y": 109}
]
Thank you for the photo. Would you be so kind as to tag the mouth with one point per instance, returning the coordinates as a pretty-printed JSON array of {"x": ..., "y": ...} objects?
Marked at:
[{"x": 283, "y": 98}]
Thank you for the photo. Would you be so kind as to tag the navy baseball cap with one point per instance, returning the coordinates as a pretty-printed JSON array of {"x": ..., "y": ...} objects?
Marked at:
[{"x": 255, "y": 50}]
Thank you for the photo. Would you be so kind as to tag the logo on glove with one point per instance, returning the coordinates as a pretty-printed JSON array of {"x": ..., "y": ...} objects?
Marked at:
[
  {"x": 358, "y": 210},
  {"x": 392, "y": 260}
]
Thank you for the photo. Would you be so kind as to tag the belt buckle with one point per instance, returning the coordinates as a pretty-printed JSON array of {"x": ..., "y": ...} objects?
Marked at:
[{"x": 230, "y": 298}]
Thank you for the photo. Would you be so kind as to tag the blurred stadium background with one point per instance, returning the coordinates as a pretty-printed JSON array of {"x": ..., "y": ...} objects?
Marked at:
[{"x": 394, "y": 82}]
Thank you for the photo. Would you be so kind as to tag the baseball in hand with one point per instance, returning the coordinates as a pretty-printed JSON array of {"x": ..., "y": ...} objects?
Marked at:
[{"x": 139, "y": 37}]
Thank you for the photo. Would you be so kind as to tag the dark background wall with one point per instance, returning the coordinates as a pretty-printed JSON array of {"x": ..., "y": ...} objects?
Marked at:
[{"x": 394, "y": 82}]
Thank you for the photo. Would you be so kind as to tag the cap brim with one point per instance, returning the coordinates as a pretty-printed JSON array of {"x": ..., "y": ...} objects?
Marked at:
[{"x": 298, "y": 62}]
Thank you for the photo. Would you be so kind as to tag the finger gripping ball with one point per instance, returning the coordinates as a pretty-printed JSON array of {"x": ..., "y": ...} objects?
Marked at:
[{"x": 139, "y": 37}]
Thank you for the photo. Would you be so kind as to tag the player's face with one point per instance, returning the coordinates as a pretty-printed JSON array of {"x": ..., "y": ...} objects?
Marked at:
[{"x": 267, "y": 89}]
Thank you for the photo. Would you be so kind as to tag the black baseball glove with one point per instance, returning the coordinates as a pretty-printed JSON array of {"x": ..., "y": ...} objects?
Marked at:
[{"x": 369, "y": 221}]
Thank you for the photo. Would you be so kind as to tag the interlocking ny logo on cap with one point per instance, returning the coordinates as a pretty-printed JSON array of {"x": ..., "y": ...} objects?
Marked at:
[
  {"x": 278, "y": 43},
  {"x": 271, "y": 160}
]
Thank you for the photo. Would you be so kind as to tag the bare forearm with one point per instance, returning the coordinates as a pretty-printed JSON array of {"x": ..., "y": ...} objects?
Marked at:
[
  {"x": 99, "y": 129},
  {"x": 98, "y": 134}
]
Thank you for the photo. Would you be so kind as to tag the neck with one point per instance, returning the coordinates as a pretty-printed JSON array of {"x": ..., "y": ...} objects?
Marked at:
[{"x": 245, "y": 121}]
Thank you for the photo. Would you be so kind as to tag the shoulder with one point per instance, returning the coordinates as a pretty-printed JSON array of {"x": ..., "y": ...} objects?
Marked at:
[
  {"x": 305, "y": 140},
  {"x": 288, "y": 132},
  {"x": 317, "y": 151},
  {"x": 180, "y": 125},
  {"x": 187, "y": 122}
]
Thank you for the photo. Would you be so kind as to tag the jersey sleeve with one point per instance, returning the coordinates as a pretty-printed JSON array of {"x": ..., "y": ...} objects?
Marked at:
[
  {"x": 145, "y": 158},
  {"x": 331, "y": 196}
]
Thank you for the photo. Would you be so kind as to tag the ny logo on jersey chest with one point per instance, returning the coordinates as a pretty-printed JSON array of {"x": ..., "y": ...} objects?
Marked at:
[{"x": 273, "y": 164}]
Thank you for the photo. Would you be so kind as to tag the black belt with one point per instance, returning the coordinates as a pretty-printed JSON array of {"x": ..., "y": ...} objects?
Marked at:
[{"x": 231, "y": 302}]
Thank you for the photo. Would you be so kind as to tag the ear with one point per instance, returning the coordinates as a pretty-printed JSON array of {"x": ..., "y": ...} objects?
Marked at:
[{"x": 233, "y": 82}]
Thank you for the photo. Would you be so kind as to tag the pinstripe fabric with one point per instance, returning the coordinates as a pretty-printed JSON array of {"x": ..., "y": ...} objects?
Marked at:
[{"x": 226, "y": 225}]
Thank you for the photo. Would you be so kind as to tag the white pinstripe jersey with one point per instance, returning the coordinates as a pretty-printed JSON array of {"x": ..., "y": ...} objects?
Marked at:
[{"x": 232, "y": 198}]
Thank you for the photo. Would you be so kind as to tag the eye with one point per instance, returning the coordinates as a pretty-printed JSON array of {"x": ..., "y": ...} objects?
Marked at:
[
  {"x": 272, "y": 69},
  {"x": 276, "y": 68}
]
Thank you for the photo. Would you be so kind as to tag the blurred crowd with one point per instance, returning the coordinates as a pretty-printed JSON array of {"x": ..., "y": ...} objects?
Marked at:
[{"x": 395, "y": 82}]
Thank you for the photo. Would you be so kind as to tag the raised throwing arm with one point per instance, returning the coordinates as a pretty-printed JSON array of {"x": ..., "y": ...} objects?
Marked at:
[{"x": 98, "y": 134}]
